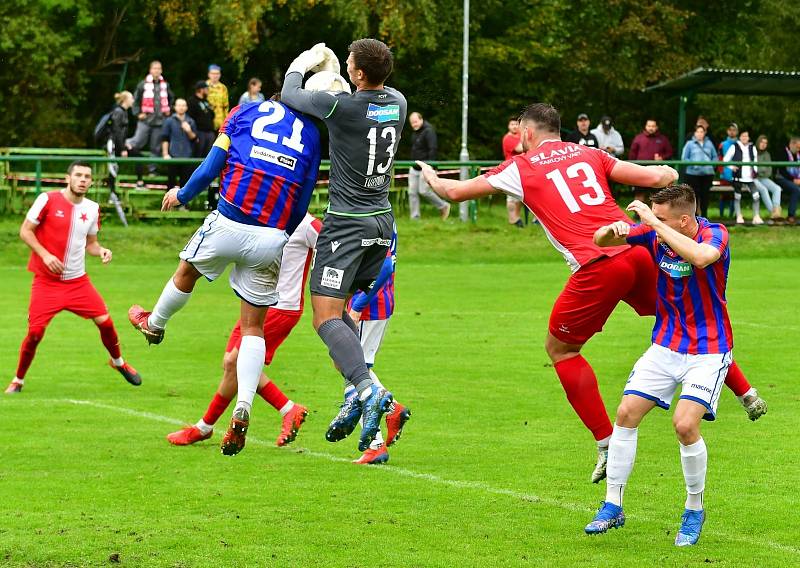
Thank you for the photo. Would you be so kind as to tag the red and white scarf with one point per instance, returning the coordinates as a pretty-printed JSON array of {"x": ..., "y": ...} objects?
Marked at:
[{"x": 148, "y": 97}]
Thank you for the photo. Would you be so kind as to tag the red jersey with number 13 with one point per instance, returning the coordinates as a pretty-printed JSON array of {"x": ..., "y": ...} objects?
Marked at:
[{"x": 566, "y": 186}]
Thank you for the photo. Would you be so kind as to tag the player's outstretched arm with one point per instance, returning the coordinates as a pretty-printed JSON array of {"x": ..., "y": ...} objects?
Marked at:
[
  {"x": 315, "y": 103},
  {"x": 612, "y": 235},
  {"x": 93, "y": 248},
  {"x": 454, "y": 189},
  {"x": 643, "y": 176},
  {"x": 205, "y": 173},
  {"x": 28, "y": 235},
  {"x": 698, "y": 254}
]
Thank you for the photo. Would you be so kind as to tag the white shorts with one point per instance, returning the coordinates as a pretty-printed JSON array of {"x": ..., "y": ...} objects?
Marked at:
[
  {"x": 254, "y": 251},
  {"x": 372, "y": 332},
  {"x": 657, "y": 374}
]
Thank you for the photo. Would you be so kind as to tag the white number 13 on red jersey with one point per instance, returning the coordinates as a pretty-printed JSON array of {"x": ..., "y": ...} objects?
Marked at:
[{"x": 589, "y": 181}]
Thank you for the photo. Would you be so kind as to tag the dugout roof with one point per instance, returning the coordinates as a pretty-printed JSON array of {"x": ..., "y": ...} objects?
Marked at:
[{"x": 717, "y": 81}]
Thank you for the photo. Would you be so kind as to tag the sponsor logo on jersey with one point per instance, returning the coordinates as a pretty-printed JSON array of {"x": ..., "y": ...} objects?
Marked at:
[
  {"x": 59, "y": 213},
  {"x": 335, "y": 245},
  {"x": 701, "y": 387},
  {"x": 375, "y": 181},
  {"x": 556, "y": 154},
  {"x": 370, "y": 242},
  {"x": 273, "y": 157},
  {"x": 332, "y": 277},
  {"x": 676, "y": 268},
  {"x": 383, "y": 113}
]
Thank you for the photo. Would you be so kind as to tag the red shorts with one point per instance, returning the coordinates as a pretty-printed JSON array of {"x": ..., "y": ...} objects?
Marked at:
[
  {"x": 49, "y": 296},
  {"x": 277, "y": 326},
  {"x": 592, "y": 293}
]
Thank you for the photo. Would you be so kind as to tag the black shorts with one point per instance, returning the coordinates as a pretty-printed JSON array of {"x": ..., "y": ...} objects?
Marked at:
[{"x": 350, "y": 252}]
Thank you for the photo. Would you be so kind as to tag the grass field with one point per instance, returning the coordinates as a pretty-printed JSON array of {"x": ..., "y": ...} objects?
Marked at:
[{"x": 491, "y": 471}]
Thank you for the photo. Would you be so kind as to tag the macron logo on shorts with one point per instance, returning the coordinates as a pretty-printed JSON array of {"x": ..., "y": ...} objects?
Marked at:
[
  {"x": 385, "y": 113},
  {"x": 332, "y": 277},
  {"x": 335, "y": 245}
]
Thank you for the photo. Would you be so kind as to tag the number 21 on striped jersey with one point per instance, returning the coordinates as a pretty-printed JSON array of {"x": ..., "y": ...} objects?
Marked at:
[
  {"x": 579, "y": 169},
  {"x": 276, "y": 114}
]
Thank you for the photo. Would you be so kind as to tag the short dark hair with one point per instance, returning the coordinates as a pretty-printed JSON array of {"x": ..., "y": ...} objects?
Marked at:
[
  {"x": 78, "y": 164},
  {"x": 543, "y": 115},
  {"x": 373, "y": 58},
  {"x": 703, "y": 128},
  {"x": 651, "y": 119},
  {"x": 679, "y": 195}
]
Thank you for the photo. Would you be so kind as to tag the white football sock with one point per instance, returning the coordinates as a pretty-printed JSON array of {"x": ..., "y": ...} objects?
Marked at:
[
  {"x": 118, "y": 362},
  {"x": 603, "y": 444},
  {"x": 286, "y": 408},
  {"x": 170, "y": 301},
  {"x": 248, "y": 369},
  {"x": 377, "y": 442},
  {"x": 18, "y": 381},
  {"x": 375, "y": 380},
  {"x": 694, "y": 459},
  {"x": 621, "y": 455},
  {"x": 203, "y": 427}
]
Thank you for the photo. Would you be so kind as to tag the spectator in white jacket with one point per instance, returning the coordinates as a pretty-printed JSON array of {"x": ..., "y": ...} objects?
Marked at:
[
  {"x": 744, "y": 177},
  {"x": 608, "y": 138}
]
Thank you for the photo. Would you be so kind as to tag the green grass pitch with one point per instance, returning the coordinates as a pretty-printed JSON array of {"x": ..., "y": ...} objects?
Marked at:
[{"x": 492, "y": 470}]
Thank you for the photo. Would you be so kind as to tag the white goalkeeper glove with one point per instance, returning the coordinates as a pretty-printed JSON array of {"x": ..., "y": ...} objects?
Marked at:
[
  {"x": 329, "y": 62},
  {"x": 329, "y": 82},
  {"x": 306, "y": 60}
]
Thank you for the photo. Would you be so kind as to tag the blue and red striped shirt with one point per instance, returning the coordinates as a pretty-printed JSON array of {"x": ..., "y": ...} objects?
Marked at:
[
  {"x": 691, "y": 309},
  {"x": 272, "y": 165},
  {"x": 380, "y": 299}
]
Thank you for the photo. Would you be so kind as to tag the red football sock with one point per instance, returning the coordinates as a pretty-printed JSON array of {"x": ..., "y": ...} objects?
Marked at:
[
  {"x": 580, "y": 384},
  {"x": 215, "y": 409},
  {"x": 110, "y": 338},
  {"x": 736, "y": 381},
  {"x": 273, "y": 395},
  {"x": 27, "y": 351}
]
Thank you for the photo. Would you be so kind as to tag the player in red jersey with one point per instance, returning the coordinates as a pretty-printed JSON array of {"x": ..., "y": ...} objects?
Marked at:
[
  {"x": 566, "y": 186},
  {"x": 278, "y": 324},
  {"x": 60, "y": 228}
]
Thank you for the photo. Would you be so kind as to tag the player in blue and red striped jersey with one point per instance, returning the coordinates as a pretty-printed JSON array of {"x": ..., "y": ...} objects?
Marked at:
[
  {"x": 692, "y": 343},
  {"x": 268, "y": 158},
  {"x": 371, "y": 310}
]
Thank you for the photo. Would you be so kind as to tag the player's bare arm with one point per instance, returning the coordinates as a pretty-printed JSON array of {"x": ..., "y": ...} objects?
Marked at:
[
  {"x": 698, "y": 254},
  {"x": 28, "y": 236},
  {"x": 93, "y": 248},
  {"x": 643, "y": 176},
  {"x": 453, "y": 189},
  {"x": 612, "y": 235}
]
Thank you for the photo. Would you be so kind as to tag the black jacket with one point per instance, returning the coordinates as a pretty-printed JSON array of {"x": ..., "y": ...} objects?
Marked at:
[
  {"x": 201, "y": 112},
  {"x": 577, "y": 138},
  {"x": 119, "y": 128},
  {"x": 423, "y": 143}
]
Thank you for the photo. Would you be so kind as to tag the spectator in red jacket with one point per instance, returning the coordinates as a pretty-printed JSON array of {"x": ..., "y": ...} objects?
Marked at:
[{"x": 649, "y": 144}]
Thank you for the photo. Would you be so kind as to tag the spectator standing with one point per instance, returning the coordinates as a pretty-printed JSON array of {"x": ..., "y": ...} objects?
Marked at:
[
  {"x": 152, "y": 103},
  {"x": 703, "y": 121},
  {"x": 253, "y": 93},
  {"x": 700, "y": 149},
  {"x": 649, "y": 144},
  {"x": 744, "y": 176},
  {"x": 608, "y": 138},
  {"x": 512, "y": 145},
  {"x": 789, "y": 177},
  {"x": 217, "y": 95},
  {"x": 726, "y": 177},
  {"x": 119, "y": 124},
  {"x": 423, "y": 147},
  {"x": 177, "y": 141},
  {"x": 582, "y": 135},
  {"x": 769, "y": 190}
]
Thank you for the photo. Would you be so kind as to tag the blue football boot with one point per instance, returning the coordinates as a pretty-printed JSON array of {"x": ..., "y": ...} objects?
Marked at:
[
  {"x": 691, "y": 525},
  {"x": 345, "y": 422},
  {"x": 609, "y": 516},
  {"x": 378, "y": 403}
]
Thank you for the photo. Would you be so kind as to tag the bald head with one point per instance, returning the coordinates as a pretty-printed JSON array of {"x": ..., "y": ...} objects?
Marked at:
[{"x": 415, "y": 120}]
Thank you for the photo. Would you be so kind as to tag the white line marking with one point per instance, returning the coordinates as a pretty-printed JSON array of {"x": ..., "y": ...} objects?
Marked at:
[{"x": 389, "y": 470}]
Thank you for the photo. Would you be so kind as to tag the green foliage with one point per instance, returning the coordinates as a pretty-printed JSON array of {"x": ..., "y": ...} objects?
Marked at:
[{"x": 62, "y": 60}]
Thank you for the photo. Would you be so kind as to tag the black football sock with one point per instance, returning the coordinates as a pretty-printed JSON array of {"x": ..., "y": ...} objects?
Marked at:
[{"x": 346, "y": 351}]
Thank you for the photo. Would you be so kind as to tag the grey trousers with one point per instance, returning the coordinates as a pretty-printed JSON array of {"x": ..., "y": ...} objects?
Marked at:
[
  {"x": 146, "y": 136},
  {"x": 418, "y": 186}
]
